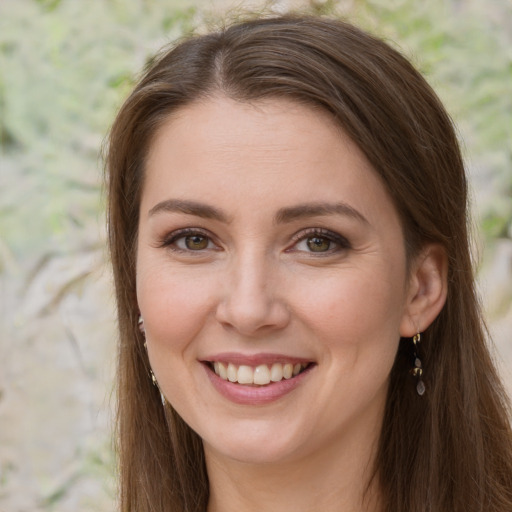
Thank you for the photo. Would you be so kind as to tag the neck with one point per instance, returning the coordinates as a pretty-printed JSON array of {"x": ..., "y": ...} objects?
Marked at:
[{"x": 337, "y": 478}]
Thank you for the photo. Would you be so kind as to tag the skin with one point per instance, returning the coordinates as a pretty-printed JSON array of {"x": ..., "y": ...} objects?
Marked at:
[{"x": 252, "y": 284}]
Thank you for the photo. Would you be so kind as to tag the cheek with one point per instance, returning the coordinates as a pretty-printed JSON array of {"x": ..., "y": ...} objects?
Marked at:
[
  {"x": 357, "y": 312},
  {"x": 356, "y": 297},
  {"x": 174, "y": 304}
]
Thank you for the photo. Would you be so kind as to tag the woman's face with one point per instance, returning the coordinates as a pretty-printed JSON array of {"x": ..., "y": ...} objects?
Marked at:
[{"x": 267, "y": 246}]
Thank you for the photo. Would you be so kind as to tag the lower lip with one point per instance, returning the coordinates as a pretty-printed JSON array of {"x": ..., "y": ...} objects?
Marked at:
[{"x": 255, "y": 395}]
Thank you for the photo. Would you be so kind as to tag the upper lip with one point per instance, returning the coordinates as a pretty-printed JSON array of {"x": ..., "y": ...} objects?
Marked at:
[{"x": 238, "y": 359}]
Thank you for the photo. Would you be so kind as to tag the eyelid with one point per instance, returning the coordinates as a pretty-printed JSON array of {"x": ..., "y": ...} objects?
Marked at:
[
  {"x": 338, "y": 239},
  {"x": 169, "y": 239}
]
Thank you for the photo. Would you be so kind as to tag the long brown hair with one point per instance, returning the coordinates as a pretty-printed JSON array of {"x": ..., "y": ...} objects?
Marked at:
[{"x": 450, "y": 450}]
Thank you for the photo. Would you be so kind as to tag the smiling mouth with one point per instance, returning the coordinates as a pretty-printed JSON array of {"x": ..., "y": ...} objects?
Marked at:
[{"x": 261, "y": 375}]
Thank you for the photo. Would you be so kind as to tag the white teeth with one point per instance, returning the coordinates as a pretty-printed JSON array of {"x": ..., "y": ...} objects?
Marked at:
[
  {"x": 232, "y": 373},
  {"x": 222, "y": 371},
  {"x": 276, "y": 372},
  {"x": 261, "y": 375},
  {"x": 245, "y": 375}
]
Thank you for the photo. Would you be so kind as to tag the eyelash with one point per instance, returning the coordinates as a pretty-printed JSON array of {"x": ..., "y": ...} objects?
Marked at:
[
  {"x": 342, "y": 243},
  {"x": 170, "y": 240}
]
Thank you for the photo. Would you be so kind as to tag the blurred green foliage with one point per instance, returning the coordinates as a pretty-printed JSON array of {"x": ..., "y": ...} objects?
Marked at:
[{"x": 64, "y": 68}]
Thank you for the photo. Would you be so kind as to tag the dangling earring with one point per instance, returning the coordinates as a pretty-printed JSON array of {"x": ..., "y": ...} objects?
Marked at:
[
  {"x": 140, "y": 323},
  {"x": 155, "y": 383},
  {"x": 417, "y": 370}
]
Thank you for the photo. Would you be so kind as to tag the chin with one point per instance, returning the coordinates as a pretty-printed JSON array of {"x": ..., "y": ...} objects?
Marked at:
[
  {"x": 252, "y": 453},
  {"x": 254, "y": 444}
]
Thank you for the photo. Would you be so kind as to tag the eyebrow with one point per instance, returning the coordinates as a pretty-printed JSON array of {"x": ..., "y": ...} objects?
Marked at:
[
  {"x": 283, "y": 216},
  {"x": 301, "y": 211},
  {"x": 189, "y": 208}
]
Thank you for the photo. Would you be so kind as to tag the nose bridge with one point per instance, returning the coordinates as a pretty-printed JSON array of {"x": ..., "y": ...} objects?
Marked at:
[
  {"x": 251, "y": 303},
  {"x": 252, "y": 278}
]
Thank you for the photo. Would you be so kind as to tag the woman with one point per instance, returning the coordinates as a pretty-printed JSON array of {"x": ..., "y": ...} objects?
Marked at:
[{"x": 298, "y": 322}]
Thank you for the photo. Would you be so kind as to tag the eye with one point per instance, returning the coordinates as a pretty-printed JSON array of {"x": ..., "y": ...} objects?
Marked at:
[
  {"x": 187, "y": 240},
  {"x": 193, "y": 242},
  {"x": 319, "y": 241}
]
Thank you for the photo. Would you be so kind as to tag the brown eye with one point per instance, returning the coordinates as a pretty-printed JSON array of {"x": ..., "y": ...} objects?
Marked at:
[
  {"x": 196, "y": 242},
  {"x": 189, "y": 240},
  {"x": 318, "y": 244}
]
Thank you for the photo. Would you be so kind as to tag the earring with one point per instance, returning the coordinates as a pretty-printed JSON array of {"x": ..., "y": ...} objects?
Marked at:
[
  {"x": 155, "y": 383},
  {"x": 140, "y": 323},
  {"x": 417, "y": 371}
]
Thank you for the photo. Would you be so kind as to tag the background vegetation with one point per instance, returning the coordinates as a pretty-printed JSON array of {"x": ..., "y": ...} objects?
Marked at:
[{"x": 65, "y": 67}]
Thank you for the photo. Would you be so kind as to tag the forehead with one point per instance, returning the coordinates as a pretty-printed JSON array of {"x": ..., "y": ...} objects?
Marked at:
[
  {"x": 267, "y": 127},
  {"x": 274, "y": 152}
]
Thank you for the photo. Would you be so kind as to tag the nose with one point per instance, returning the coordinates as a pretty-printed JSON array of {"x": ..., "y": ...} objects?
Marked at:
[{"x": 251, "y": 303}]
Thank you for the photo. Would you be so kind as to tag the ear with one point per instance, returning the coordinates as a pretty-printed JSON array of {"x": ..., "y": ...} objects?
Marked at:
[{"x": 427, "y": 290}]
